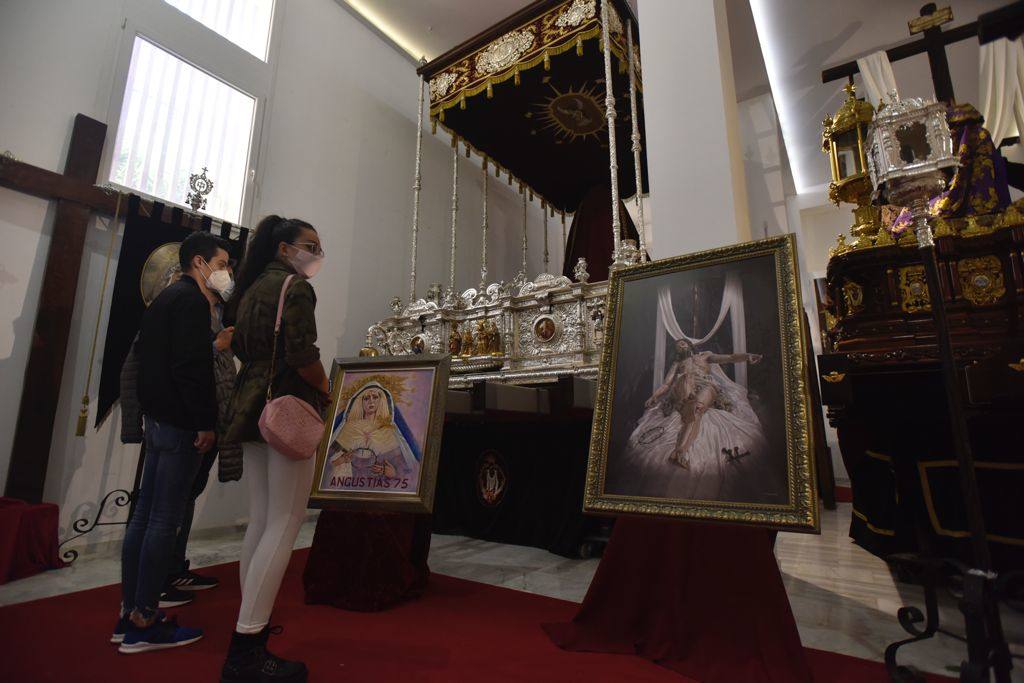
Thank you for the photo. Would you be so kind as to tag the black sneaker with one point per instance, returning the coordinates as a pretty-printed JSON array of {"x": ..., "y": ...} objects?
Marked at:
[
  {"x": 249, "y": 662},
  {"x": 124, "y": 623},
  {"x": 160, "y": 635},
  {"x": 172, "y": 597},
  {"x": 188, "y": 580}
]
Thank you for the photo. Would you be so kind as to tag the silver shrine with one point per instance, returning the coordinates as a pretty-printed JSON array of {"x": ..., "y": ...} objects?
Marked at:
[{"x": 530, "y": 351}]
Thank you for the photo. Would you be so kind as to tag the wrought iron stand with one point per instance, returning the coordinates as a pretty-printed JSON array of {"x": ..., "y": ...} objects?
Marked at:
[
  {"x": 987, "y": 649},
  {"x": 120, "y": 498}
]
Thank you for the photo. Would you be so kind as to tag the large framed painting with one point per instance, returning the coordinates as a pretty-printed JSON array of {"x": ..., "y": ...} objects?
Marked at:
[
  {"x": 383, "y": 434},
  {"x": 703, "y": 406}
]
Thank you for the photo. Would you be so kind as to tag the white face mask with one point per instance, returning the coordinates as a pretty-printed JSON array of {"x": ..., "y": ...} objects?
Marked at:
[
  {"x": 220, "y": 281},
  {"x": 305, "y": 264}
]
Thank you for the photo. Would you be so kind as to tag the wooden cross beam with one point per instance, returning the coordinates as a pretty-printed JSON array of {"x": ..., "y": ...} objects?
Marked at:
[
  {"x": 40, "y": 392},
  {"x": 77, "y": 199},
  {"x": 933, "y": 42}
]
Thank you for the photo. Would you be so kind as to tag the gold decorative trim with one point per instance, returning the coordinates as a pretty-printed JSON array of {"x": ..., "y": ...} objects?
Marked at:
[
  {"x": 800, "y": 512},
  {"x": 564, "y": 27},
  {"x": 981, "y": 280},
  {"x": 853, "y": 296},
  {"x": 834, "y": 377},
  {"x": 871, "y": 527},
  {"x": 933, "y": 516},
  {"x": 914, "y": 296}
]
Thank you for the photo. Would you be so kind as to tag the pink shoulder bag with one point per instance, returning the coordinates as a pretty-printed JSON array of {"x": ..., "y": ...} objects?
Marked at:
[{"x": 288, "y": 424}]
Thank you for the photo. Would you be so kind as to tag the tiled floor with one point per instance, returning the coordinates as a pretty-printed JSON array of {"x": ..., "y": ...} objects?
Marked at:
[{"x": 844, "y": 599}]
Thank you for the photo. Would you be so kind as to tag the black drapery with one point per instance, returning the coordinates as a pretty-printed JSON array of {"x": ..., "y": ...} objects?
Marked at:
[
  {"x": 142, "y": 234},
  {"x": 538, "y": 467}
]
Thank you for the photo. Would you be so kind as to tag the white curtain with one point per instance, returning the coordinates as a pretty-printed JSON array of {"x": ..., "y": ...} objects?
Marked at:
[
  {"x": 732, "y": 306},
  {"x": 1002, "y": 88},
  {"x": 879, "y": 80}
]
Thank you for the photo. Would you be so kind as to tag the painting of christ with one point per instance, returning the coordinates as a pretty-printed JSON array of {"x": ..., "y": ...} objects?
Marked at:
[
  {"x": 383, "y": 434},
  {"x": 702, "y": 408}
]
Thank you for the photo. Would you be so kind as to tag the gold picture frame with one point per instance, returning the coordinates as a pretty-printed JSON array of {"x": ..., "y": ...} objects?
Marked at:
[
  {"x": 616, "y": 485},
  {"x": 382, "y": 437}
]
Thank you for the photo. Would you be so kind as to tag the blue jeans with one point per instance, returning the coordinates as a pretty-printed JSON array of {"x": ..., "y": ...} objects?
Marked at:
[{"x": 168, "y": 475}]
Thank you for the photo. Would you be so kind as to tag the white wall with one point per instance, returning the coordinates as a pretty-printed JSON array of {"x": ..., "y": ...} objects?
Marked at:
[
  {"x": 698, "y": 195},
  {"x": 763, "y": 166},
  {"x": 340, "y": 148}
]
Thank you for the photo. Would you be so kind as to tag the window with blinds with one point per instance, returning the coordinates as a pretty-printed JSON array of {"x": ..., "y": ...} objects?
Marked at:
[{"x": 176, "y": 120}]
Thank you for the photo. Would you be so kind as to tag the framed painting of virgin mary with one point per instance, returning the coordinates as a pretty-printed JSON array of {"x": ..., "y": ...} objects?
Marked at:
[
  {"x": 703, "y": 407},
  {"x": 382, "y": 434}
]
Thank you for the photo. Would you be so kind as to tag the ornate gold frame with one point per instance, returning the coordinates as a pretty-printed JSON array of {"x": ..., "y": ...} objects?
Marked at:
[
  {"x": 800, "y": 513},
  {"x": 423, "y": 501}
]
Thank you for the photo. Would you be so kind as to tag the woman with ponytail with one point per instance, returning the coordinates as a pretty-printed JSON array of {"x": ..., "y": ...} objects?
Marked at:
[{"x": 278, "y": 486}]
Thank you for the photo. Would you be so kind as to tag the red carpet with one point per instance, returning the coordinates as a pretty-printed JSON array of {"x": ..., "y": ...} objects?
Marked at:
[{"x": 458, "y": 631}]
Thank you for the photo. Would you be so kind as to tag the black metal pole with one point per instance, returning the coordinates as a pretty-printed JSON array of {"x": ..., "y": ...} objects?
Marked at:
[{"x": 986, "y": 644}]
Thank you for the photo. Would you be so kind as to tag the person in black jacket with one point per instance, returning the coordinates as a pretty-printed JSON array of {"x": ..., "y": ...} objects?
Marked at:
[{"x": 179, "y": 404}]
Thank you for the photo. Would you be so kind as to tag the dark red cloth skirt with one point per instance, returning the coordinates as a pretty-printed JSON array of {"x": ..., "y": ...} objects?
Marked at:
[
  {"x": 367, "y": 561},
  {"x": 704, "y": 600}
]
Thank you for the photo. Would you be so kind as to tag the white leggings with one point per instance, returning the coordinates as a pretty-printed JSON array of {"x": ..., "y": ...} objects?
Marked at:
[{"x": 278, "y": 492}]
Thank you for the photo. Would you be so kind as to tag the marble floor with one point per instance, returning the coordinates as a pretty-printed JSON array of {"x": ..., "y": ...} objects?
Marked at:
[{"x": 844, "y": 598}]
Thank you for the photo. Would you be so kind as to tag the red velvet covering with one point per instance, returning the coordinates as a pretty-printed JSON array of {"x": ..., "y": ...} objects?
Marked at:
[
  {"x": 705, "y": 601},
  {"x": 28, "y": 538},
  {"x": 367, "y": 561}
]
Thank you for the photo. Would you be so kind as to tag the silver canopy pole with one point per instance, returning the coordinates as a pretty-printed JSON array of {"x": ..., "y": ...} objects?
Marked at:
[
  {"x": 522, "y": 189},
  {"x": 609, "y": 105},
  {"x": 636, "y": 140},
  {"x": 416, "y": 193},
  {"x": 544, "y": 208},
  {"x": 483, "y": 241},
  {"x": 455, "y": 210}
]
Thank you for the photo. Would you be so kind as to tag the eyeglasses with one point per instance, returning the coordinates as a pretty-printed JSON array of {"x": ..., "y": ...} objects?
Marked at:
[{"x": 312, "y": 247}]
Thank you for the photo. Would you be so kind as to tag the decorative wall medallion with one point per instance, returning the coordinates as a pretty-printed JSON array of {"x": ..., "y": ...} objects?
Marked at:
[
  {"x": 160, "y": 269},
  {"x": 505, "y": 51},
  {"x": 491, "y": 478},
  {"x": 576, "y": 13},
  {"x": 418, "y": 344},
  {"x": 981, "y": 279},
  {"x": 853, "y": 295},
  {"x": 441, "y": 84},
  {"x": 545, "y": 329},
  {"x": 576, "y": 113},
  {"x": 914, "y": 290}
]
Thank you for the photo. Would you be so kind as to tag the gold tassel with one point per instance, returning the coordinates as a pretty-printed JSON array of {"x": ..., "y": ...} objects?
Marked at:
[
  {"x": 547, "y": 61},
  {"x": 490, "y": 89},
  {"x": 83, "y": 416},
  {"x": 462, "y": 103},
  {"x": 83, "y": 412},
  {"x": 516, "y": 78},
  {"x": 433, "y": 125},
  {"x": 455, "y": 141},
  {"x": 579, "y": 46},
  {"x": 441, "y": 117}
]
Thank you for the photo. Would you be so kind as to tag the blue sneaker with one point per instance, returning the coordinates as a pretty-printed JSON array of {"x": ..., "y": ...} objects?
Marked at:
[
  {"x": 159, "y": 636},
  {"x": 124, "y": 623}
]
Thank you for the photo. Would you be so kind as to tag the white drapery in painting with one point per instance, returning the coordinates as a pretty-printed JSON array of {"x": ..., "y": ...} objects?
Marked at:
[{"x": 667, "y": 325}]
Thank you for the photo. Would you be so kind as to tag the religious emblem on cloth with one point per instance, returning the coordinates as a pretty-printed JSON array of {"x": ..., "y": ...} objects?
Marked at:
[
  {"x": 576, "y": 113},
  {"x": 491, "y": 478}
]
